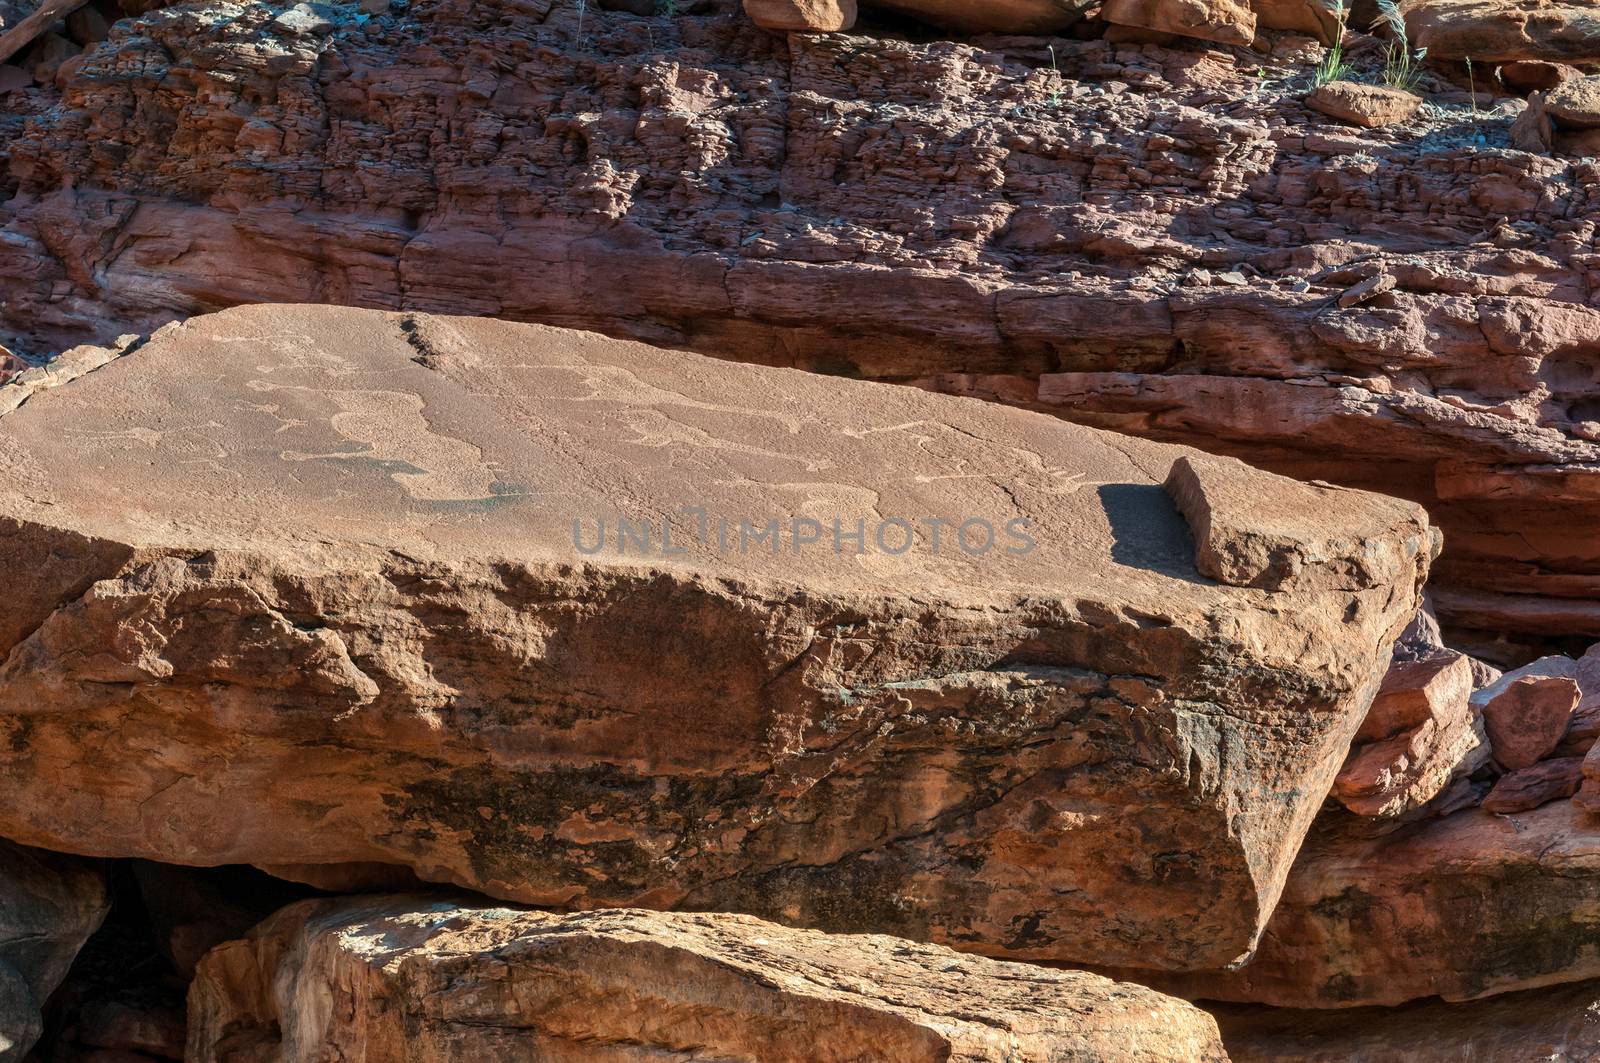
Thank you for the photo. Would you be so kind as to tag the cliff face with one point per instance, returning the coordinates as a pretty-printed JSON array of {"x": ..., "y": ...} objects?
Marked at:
[{"x": 1161, "y": 240}]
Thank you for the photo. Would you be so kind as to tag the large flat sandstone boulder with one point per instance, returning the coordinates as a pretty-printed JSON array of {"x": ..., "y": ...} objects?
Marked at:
[
  {"x": 303, "y": 585},
  {"x": 414, "y": 978}
]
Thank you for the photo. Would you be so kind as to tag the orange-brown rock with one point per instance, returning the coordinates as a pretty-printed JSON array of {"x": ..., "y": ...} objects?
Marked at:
[
  {"x": 1560, "y": 1024},
  {"x": 420, "y": 978},
  {"x": 349, "y": 582},
  {"x": 956, "y": 214},
  {"x": 1575, "y": 103},
  {"x": 1371, "y": 106},
  {"x": 802, "y": 16},
  {"x": 1468, "y": 905},
  {"x": 1433, "y": 687},
  {"x": 1501, "y": 31},
  {"x": 1420, "y": 736}
]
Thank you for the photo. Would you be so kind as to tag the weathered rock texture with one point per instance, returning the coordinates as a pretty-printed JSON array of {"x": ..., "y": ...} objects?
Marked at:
[
  {"x": 1558, "y": 1025},
  {"x": 1498, "y": 31},
  {"x": 1149, "y": 239},
  {"x": 334, "y": 599},
  {"x": 1468, "y": 905},
  {"x": 397, "y": 978},
  {"x": 49, "y": 905}
]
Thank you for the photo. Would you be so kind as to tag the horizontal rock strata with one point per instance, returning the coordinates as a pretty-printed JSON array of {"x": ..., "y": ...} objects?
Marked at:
[
  {"x": 1470, "y": 905},
  {"x": 1559, "y": 1023},
  {"x": 342, "y": 598},
  {"x": 421, "y": 979},
  {"x": 1155, "y": 240}
]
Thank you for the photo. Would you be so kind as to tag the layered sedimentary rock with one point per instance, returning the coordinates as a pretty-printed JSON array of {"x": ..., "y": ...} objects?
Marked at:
[
  {"x": 418, "y": 978},
  {"x": 1501, "y": 31},
  {"x": 581, "y": 622},
  {"x": 1469, "y": 905},
  {"x": 49, "y": 905},
  {"x": 1165, "y": 241},
  {"x": 1561, "y": 1023}
]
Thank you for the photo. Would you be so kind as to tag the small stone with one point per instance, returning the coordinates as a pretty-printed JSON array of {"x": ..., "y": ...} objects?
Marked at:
[
  {"x": 1370, "y": 106},
  {"x": 802, "y": 16},
  {"x": 1370, "y": 288},
  {"x": 1233, "y": 279},
  {"x": 1414, "y": 692},
  {"x": 1528, "y": 788},
  {"x": 303, "y": 19},
  {"x": 1529, "y": 717}
]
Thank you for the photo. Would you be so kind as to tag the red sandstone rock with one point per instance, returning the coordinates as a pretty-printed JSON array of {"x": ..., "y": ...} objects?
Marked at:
[
  {"x": 1370, "y": 106},
  {"x": 1528, "y": 717},
  {"x": 421, "y": 978},
  {"x": 1531, "y": 75},
  {"x": 1575, "y": 103},
  {"x": 363, "y": 632},
  {"x": 1419, "y": 737},
  {"x": 770, "y": 201},
  {"x": 1464, "y": 906},
  {"x": 1499, "y": 31},
  {"x": 1413, "y": 692},
  {"x": 803, "y": 16},
  {"x": 1528, "y": 788},
  {"x": 1224, "y": 21}
]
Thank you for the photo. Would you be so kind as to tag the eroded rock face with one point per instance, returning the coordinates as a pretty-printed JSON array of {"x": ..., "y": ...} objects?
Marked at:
[
  {"x": 1561, "y": 1023},
  {"x": 417, "y": 978},
  {"x": 1469, "y": 905},
  {"x": 369, "y": 630},
  {"x": 49, "y": 905},
  {"x": 1155, "y": 240},
  {"x": 1501, "y": 31}
]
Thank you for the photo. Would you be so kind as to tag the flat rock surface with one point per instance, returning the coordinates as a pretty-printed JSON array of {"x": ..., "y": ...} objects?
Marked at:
[
  {"x": 321, "y": 602},
  {"x": 418, "y": 978},
  {"x": 1147, "y": 238}
]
